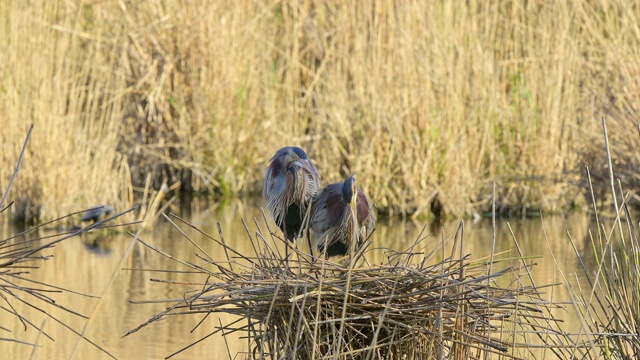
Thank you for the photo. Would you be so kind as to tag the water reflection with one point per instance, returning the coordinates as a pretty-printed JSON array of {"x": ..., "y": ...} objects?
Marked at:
[
  {"x": 89, "y": 263},
  {"x": 98, "y": 243}
]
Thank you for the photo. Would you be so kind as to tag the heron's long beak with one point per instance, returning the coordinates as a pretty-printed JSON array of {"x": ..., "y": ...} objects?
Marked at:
[
  {"x": 306, "y": 164},
  {"x": 353, "y": 204},
  {"x": 353, "y": 207},
  {"x": 354, "y": 199}
]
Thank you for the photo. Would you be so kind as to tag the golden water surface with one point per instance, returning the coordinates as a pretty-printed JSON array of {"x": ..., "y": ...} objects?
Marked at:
[{"x": 99, "y": 264}]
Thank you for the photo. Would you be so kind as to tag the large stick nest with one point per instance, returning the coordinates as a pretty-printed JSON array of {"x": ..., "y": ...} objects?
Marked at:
[{"x": 408, "y": 307}]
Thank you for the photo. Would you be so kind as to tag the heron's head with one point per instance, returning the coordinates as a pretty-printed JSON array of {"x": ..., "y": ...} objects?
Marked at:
[
  {"x": 295, "y": 158},
  {"x": 350, "y": 190}
]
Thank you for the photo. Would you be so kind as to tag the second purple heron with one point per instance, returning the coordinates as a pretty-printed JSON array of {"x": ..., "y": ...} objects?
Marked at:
[
  {"x": 342, "y": 215},
  {"x": 291, "y": 183}
]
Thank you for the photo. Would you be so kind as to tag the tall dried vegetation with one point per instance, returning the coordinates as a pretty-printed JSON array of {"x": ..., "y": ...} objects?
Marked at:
[{"x": 428, "y": 101}]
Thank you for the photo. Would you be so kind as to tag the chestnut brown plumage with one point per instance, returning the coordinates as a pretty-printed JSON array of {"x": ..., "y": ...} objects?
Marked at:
[
  {"x": 291, "y": 183},
  {"x": 332, "y": 217}
]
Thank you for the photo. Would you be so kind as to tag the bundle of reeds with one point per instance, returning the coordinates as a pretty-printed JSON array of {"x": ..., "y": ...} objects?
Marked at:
[
  {"x": 610, "y": 303},
  {"x": 410, "y": 306}
]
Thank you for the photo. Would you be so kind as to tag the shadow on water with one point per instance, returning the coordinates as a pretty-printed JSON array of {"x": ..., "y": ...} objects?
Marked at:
[{"x": 87, "y": 264}]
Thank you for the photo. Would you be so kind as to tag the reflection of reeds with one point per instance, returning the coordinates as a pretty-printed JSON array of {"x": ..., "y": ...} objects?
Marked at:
[{"x": 405, "y": 307}]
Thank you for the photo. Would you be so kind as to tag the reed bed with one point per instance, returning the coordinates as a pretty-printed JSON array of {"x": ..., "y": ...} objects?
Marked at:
[
  {"x": 410, "y": 306},
  {"x": 609, "y": 302},
  {"x": 431, "y": 102}
]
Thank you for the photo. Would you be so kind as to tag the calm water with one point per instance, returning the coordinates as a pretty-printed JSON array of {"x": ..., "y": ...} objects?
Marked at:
[{"x": 87, "y": 264}]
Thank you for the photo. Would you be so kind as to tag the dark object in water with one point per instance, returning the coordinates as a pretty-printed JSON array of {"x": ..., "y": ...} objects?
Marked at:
[
  {"x": 97, "y": 213},
  {"x": 98, "y": 244}
]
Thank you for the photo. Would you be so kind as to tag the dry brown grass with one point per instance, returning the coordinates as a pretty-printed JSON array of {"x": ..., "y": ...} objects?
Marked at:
[
  {"x": 50, "y": 77},
  {"x": 426, "y": 100}
]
